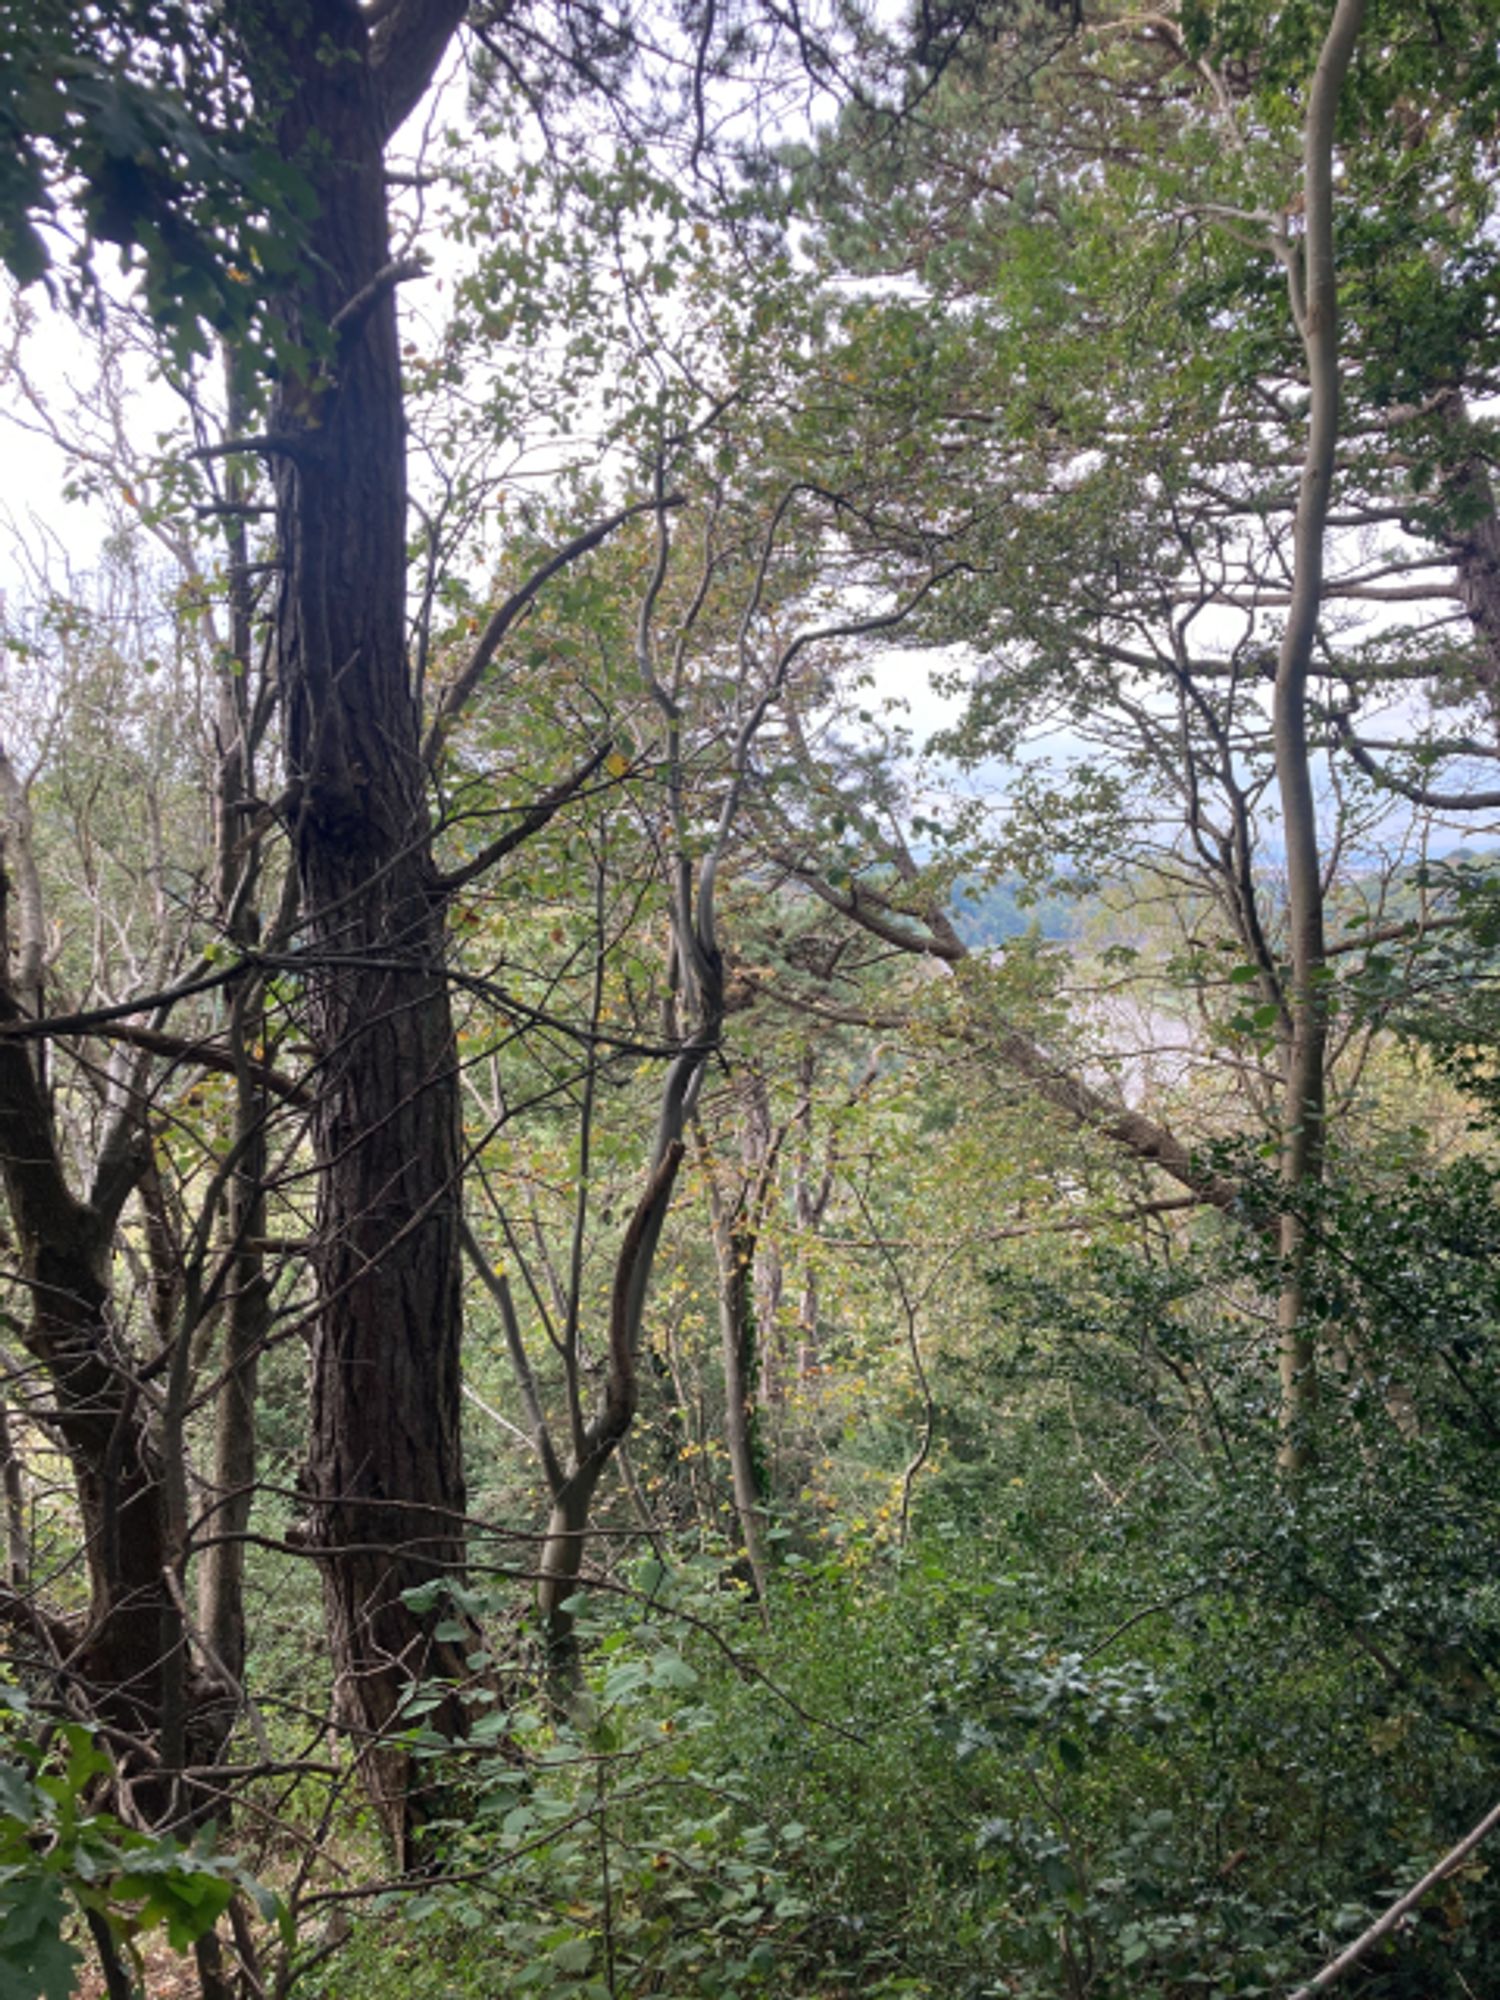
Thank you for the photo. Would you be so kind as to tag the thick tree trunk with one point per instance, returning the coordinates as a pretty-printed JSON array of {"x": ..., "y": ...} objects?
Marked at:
[{"x": 385, "y": 1471}]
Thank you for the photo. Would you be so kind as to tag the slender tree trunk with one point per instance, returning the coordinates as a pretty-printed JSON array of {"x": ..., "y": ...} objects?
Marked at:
[
  {"x": 811, "y": 1190},
  {"x": 769, "y": 1283},
  {"x": 247, "y": 1301},
  {"x": 13, "y": 1484},
  {"x": 1313, "y": 283},
  {"x": 735, "y": 1252},
  {"x": 561, "y": 1562}
]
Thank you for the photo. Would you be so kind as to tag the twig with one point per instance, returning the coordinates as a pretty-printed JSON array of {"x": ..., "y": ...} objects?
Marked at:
[{"x": 531, "y": 821}]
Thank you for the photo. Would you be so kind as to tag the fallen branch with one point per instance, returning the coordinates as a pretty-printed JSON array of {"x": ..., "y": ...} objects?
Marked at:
[{"x": 1352, "y": 1954}]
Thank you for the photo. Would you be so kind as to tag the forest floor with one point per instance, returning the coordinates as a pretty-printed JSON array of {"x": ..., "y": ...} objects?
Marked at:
[{"x": 170, "y": 1975}]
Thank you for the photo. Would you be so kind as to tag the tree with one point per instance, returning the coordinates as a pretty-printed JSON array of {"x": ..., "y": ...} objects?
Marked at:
[
  {"x": 1172, "y": 537},
  {"x": 721, "y": 631},
  {"x": 384, "y": 1472},
  {"x": 1145, "y": 541},
  {"x": 326, "y": 90}
]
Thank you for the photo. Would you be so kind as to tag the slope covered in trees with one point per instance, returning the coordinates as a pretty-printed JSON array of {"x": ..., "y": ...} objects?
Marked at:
[{"x": 615, "y": 1381}]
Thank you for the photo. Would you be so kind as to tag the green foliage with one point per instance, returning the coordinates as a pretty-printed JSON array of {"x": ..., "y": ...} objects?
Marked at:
[
  {"x": 605, "y": 1846},
  {"x": 1453, "y": 1010},
  {"x": 115, "y": 129},
  {"x": 1123, "y": 1717},
  {"x": 60, "y": 1854},
  {"x": 1127, "y": 1717}
]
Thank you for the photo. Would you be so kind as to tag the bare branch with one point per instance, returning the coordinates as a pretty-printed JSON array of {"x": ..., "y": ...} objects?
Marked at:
[{"x": 1352, "y": 1954}]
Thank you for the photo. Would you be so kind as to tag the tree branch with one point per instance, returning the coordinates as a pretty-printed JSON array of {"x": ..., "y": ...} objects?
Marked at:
[
  {"x": 532, "y": 821},
  {"x": 505, "y": 616},
  {"x": 498, "y": 1287},
  {"x": 407, "y": 43},
  {"x": 1352, "y": 1954}
]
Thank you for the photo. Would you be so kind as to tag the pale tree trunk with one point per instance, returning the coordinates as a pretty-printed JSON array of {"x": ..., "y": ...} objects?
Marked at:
[
  {"x": 770, "y": 1283},
  {"x": 767, "y": 1276},
  {"x": 812, "y": 1187},
  {"x": 737, "y": 1218},
  {"x": 1313, "y": 286},
  {"x": 13, "y": 1489},
  {"x": 739, "y": 1202}
]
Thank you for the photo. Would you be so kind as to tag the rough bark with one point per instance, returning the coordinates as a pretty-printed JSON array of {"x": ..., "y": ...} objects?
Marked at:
[{"x": 385, "y": 1474}]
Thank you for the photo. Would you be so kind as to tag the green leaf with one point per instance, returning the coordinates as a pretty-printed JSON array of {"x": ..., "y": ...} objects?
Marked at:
[
  {"x": 670, "y": 1671},
  {"x": 16, "y": 1795},
  {"x": 36, "y": 1963},
  {"x": 624, "y": 1680}
]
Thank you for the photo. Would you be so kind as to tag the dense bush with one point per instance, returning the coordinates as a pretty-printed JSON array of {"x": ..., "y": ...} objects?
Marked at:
[{"x": 1127, "y": 1718}]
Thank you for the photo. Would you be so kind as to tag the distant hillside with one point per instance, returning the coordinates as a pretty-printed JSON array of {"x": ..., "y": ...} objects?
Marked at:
[{"x": 986, "y": 914}]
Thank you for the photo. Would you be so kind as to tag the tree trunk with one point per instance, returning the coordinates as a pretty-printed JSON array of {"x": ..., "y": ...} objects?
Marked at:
[
  {"x": 13, "y": 1485},
  {"x": 811, "y": 1190},
  {"x": 561, "y": 1563},
  {"x": 247, "y": 1302},
  {"x": 385, "y": 1473},
  {"x": 735, "y": 1252},
  {"x": 1313, "y": 285},
  {"x": 132, "y": 1625}
]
